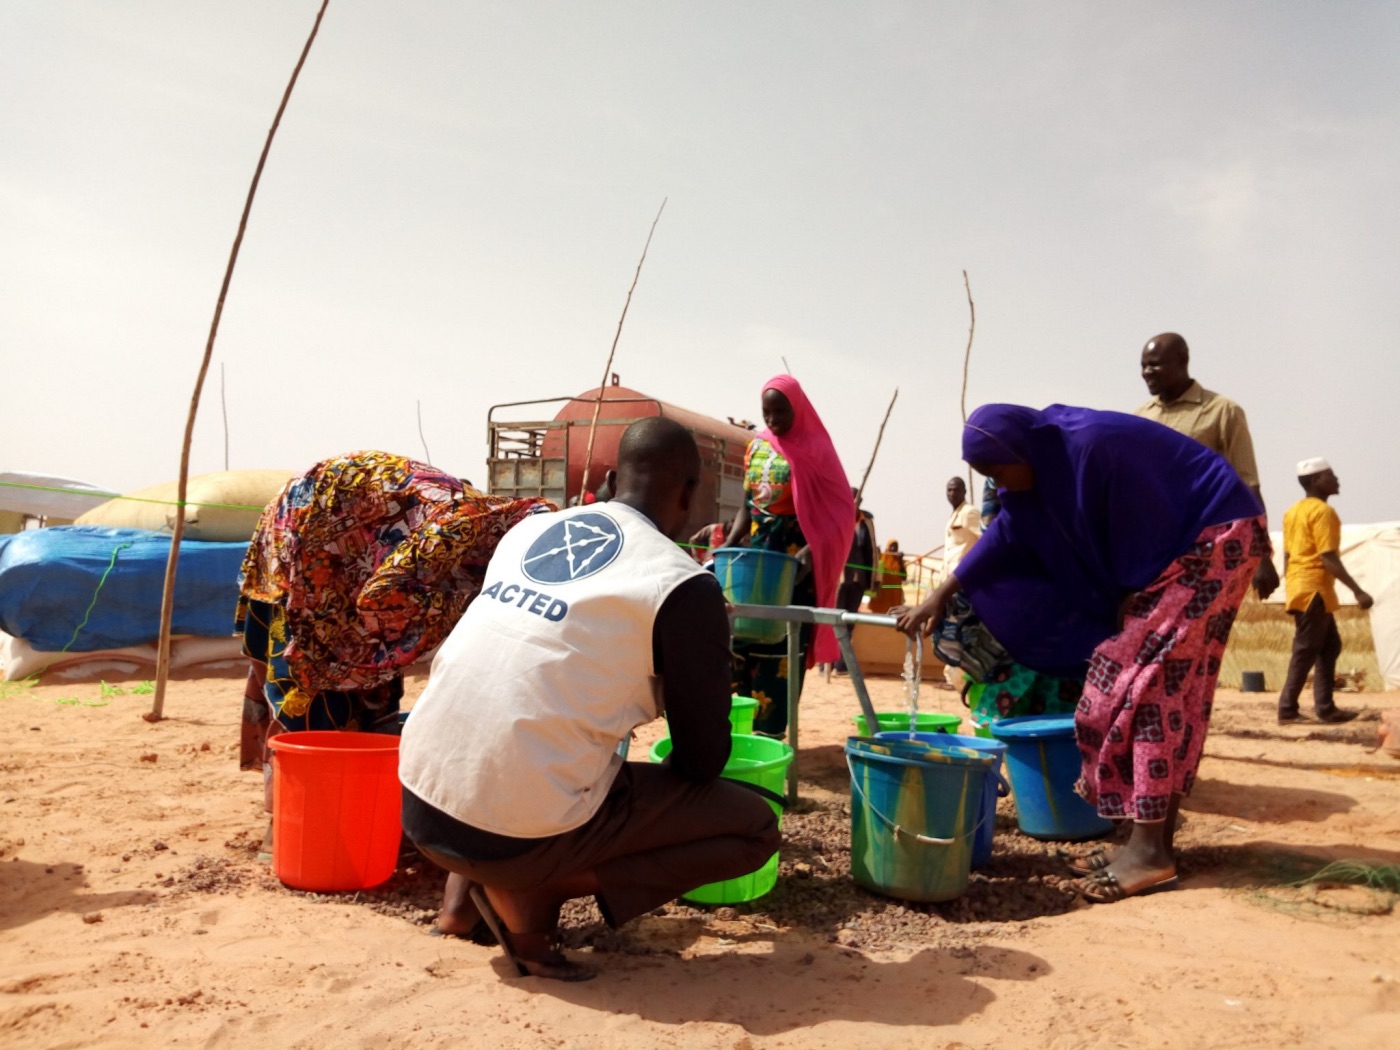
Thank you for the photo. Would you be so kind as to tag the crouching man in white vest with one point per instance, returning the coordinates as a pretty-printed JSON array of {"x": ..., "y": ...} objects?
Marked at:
[{"x": 589, "y": 621}]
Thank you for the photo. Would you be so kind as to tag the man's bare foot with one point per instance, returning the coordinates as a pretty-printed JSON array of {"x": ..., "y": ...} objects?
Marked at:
[{"x": 459, "y": 916}]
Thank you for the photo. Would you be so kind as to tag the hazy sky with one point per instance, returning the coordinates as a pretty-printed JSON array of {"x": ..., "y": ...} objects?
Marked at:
[{"x": 455, "y": 204}]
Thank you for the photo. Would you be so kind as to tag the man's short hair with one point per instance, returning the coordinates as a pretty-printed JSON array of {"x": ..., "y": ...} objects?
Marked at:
[{"x": 658, "y": 447}]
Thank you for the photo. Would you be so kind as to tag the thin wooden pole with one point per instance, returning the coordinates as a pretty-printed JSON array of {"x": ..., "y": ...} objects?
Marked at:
[
  {"x": 427, "y": 456},
  {"x": 167, "y": 602},
  {"x": 223, "y": 402},
  {"x": 967, "y": 358},
  {"x": 607, "y": 368},
  {"x": 876, "y": 450}
]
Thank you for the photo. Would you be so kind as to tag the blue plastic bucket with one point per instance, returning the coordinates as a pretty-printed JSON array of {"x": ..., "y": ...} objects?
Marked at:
[
  {"x": 756, "y": 577},
  {"x": 1042, "y": 763},
  {"x": 995, "y": 786},
  {"x": 915, "y": 810},
  {"x": 758, "y": 760}
]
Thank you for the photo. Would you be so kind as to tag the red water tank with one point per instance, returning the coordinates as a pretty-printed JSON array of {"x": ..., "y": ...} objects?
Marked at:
[
  {"x": 531, "y": 455},
  {"x": 721, "y": 444}
]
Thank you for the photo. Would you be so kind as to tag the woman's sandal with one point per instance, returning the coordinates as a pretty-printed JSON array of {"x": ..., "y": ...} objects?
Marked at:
[
  {"x": 1103, "y": 887},
  {"x": 1086, "y": 863},
  {"x": 534, "y": 954}
]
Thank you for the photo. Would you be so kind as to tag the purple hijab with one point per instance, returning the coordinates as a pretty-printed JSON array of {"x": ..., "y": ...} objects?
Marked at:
[{"x": 1116, "y": 499}]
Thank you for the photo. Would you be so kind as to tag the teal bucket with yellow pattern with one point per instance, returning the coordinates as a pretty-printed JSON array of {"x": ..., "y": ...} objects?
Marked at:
[
  {"x": 750, "y": 576},
  {"x": 915, "y": 810}
]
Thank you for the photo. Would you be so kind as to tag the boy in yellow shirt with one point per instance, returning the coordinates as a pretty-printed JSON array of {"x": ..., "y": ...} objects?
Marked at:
[{"x": 1312, "y": 535}]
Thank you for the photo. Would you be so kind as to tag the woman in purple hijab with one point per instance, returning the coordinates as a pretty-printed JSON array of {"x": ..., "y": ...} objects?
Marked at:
[{"x": 1121, "y": 554}]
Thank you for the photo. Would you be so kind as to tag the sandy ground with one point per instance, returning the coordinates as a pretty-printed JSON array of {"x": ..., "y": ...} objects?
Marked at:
[{"x": 134, "y": 913}]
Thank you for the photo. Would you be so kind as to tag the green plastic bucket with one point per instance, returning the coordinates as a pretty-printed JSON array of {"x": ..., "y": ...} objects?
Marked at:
[
  {"x": 741, "y": 712},
  {"x": 898, "y": 721},
  {"x": 750, "y": 576},
  {"x": 757, "y": 760},
  {"x": 915, "y": 811}
]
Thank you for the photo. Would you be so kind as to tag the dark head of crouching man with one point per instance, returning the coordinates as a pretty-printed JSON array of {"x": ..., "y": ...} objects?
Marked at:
[{"x": 591, "y": 622}]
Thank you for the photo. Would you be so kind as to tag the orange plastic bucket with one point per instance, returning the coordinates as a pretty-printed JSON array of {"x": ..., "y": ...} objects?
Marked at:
[{"x": 335, "y": 809}]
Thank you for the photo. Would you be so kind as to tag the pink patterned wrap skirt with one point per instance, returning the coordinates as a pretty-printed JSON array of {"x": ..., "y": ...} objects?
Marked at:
[{"x": 1141, "y": 723}]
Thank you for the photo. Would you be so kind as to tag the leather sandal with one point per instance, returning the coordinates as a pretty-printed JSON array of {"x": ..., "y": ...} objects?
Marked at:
[
  {"x": 1103, "y": 887},
  {"x": 1086, "y": 863},
  {"x": 533, "y": 954}
]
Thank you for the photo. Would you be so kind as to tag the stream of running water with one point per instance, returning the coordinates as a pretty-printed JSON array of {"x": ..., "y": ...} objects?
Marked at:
[{"x": 913, "y": 677}]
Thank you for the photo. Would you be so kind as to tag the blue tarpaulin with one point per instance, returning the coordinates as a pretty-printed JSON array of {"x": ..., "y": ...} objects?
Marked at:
[{"x": 48, "y": 577}]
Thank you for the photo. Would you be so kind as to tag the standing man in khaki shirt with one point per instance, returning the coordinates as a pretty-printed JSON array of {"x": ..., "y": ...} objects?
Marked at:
[
  {"x": 964, "y": 526},
  {"x": 1179, "y": 402}
]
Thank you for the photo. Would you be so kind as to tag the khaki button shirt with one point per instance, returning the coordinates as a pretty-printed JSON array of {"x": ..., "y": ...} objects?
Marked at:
[
  {"x": 1216, "y": 422},
  {"x": 963, "y": 530}
]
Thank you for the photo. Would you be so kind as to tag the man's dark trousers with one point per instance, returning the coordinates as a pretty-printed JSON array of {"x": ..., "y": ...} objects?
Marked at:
[{"x": 1316, "y": 646}]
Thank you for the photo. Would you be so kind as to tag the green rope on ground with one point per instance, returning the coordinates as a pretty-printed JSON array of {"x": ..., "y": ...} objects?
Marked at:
[
  {"x": 1300, "y": 896},
  {"x": 1384, "y": 877},
  {"x": 848, "y": 565}
]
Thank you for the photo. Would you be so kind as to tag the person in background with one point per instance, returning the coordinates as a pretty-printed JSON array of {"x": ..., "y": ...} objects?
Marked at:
[
  {"x": 1312, "y": 536},
  {"x": 963, "y": 528},
  {"x": 798, "y": 501},
  {"x": 962, "y": 531},
  {"x": 704, "y": 541},
  {"x": 1120, "y": 556},
  {"x": 892, "y": 576},
  {"x": 357, "y": 568},
  {"x": 1179, "y": 402},
  {"x": 858, "y": 574},
  {"x": 591, "y": 622}
]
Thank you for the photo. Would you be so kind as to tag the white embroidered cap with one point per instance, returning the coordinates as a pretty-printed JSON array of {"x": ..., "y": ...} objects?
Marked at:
[{"x": 1316, "y": 465}]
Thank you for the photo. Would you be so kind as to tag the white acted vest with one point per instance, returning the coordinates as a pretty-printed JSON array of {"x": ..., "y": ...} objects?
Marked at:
[{"x": 546, "y": 673}]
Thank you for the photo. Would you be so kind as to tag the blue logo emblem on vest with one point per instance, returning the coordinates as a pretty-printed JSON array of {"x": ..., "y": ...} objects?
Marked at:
[{"x": 573, "y": 549}]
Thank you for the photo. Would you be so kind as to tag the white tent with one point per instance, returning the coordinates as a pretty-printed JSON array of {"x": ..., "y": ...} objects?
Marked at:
[
  {"x": 1371, "y": 553},
  {"x": 45, "y": 495}
]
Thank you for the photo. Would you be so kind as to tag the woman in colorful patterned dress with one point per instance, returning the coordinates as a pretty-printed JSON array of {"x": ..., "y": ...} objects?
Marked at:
[
  {"x": 796, "y": 501},
  {"x": 1121, "y": 554},
  {"x": 357, "y": 568}
]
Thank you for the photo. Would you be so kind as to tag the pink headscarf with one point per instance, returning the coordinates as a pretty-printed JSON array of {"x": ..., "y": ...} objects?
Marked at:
[{"x": 826, "y": 511}]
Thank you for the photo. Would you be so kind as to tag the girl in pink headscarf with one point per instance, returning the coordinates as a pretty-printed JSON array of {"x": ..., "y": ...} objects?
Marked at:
[{"x": 796, "y": 500}]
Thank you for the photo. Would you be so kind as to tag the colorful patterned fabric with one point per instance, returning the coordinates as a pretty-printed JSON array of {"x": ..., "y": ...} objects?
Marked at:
[
  {"x": 293, "y": 708},
  {"x": 373, "y": 558},
  {"x": 1141, "y": 723},
  {"x": 767, "y": 483},
  {"x": 1016, "y": 691}
]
